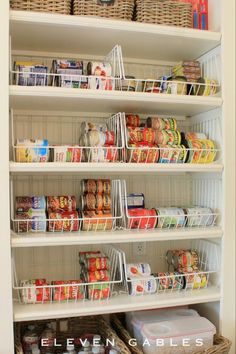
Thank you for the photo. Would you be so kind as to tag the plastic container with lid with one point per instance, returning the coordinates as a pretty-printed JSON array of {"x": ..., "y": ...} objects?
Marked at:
[{"x": 185, "y": 335}]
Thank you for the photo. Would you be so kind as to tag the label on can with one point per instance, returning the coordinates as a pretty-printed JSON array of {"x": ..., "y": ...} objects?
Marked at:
[
  {"x": 142, "y": 153},
  {"x": 138, "y": 270},
  {"x": 196, "y": 281},
  {"x": 61, "y": 203},
  {"x": 171, "y": 281},
  {"x": 199, "y": 216},
  {"x": 66, "y": 153},
  {"x": 64, "y": 293},
  {"x": 97, "y": 276},
  {"x": 97, "y": 201},
  {"x": 63, "y": 221},
  {"x": 170, "y": 217},
  {"x": 39, "y": 222},
  {"x": 97, "y": 221},
  {"x": 132, "y": 120},
  {"x": 32, "y": 293},
  {"x": 99, "y": 291},
  {"x": 97, "y": 263},
  {"x": 142, "y": 286},
  {"x": 164, "y": 137},
  {"x": 162, "y": 123},
  {"x": 142, "y": 218},
  {"x": 135, "y": 200}
]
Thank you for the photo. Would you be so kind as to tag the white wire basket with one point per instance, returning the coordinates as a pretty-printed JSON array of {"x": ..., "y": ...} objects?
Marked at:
[
  {"x": 167, "y": 280},
  {"x": 170, "y": 219},
  {"x": 68, "y": 291},
  {"x": 79, "y": 224}
]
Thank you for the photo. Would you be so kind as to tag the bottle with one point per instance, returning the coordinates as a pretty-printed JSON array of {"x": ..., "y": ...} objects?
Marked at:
[
  {"x": 30, "y": 339},
  {"x": 48, "y": 335},
  {"x": 71, "y": 349}
]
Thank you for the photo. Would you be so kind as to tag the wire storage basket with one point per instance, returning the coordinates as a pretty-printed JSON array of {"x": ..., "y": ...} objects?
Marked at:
[
  {"x": 116, "y": 9},
  {"x": 57, "y": 6},
  {"x": 74, "y": 328},
  {"x": 221, "y": 344},
  {"x": 164, "y": 12}
]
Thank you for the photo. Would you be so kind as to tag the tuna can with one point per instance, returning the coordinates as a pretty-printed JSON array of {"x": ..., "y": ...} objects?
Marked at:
[
  {"x": 135, "y": 200},
  {"x": 161, "y": 123},
  {"x": 196, "y": 281},
  {"x": 97, "y": 221},
  {"x": 96, "y": 186},
  {"x": 138, "y": 270},
  {"x": 140, "y": 218},
  {"x": 142, "y": 286},
  {"x": 32, "y": 294},
  {"x": 63, "y": 221},
  {"x": 199, "y": 216},
  {"x": 97, "y": 201},
  {"x": 61, "y": 203},
  {"x": 170, "y": 218},
  {"x": 39, "y": 221},
  {"x": 172, "y": 137},
  {"x": 170, "y": 281},
  {"x": 132, "y": 120}
]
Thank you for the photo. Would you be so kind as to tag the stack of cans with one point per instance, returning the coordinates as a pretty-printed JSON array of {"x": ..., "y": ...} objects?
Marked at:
[{"x": 62, "y": 213}]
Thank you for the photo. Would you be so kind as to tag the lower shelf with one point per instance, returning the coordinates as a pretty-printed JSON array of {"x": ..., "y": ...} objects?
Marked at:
[
  {"x": 121, "y": 303},
  {"x": 122, "y": 236}
]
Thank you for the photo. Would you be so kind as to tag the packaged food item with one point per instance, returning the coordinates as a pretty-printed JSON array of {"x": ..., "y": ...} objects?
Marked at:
[
  {"x": 97, "y": 276},
  {"x": 97, "y": 221},
  {"x": 172, "y": 154},
  {"x": 199, "y": 216},
  {"x": 132, "y": 120},
  {"x": 140, "y": 218},
  {"x": 142, "y": 153},
  {"x": 23, "y": 204},
  {"x": 99, "y": 69},
  {"x": 23, "y": 222},
  {"x": 88, "y": 254},
  {"x": 66, "y": 153},
  {"x": 206, "y": 87},
  {"x": 69, "y": 73},
  {"x": 29, "y": 150},
  {"x": 70, "y": 292},
  {"x": 182, "y": 259},
  {"x": 100, "y": 76},
  {"x": 99, "y": 291},
  {"x": 135, "y": 200},
  {"x": 30, "y": 339},
  {"x": 138, "y": 270},
  {"x": 63, "y": 221},
  {"x": 30, "y": 74},
  {"x": 160, "y": 124},
  {"x": 164, "y": 137},
  {"x": 96, "y": 186},
  {"x": 127, "y": 84},
  {"x": 170, "y": 217},
  {"x": 34, "y": 291},
  {"x": 61, "y": 203},
  {"x": 38, "y": 223},
  {"x": 99, "y": 138},
  {"x": 144, "y": 286},
  {"x": 177, "y": 86},
  {"x": 88, "y": 126},
  {"x": 107, "y": 153},
  {"x": 201, "y": 151},
  {"x": 93, "y": 264},
  {"x": 195, "y": 136},
  {"x": 92, "y": 202},
  {"x": 170, "y": 281},
  {"x": 196, "y": 281},
  {"x": 151, "y": 86},
  {"x": 138, "y": 135}
]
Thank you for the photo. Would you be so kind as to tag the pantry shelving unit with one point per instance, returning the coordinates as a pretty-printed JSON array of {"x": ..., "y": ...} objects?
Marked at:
[{"x": 50, "y": 35}]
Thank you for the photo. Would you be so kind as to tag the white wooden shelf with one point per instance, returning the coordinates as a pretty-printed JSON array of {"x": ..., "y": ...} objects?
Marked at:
[
  {"x": 112, "y": 168},
  {"x": 121, "y": 303},
  {"x": 66, "y": 99},
  {"x": 123, "y": 236},
  {"x": 94, "y": 36}
]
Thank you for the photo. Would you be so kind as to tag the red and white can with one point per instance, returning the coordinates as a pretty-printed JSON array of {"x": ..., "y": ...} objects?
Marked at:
[
  {"x": 61, "y": 203},
  {"x": 142, "y": 218},
  {"x": 63, "y": 221}
]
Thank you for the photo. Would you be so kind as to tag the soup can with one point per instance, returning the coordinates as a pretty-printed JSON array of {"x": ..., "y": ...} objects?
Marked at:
[
  {"x": 142, "y": 153},
  {"x": 133, "y": 120},
  {"x": 171, "y": 217},
  {"x": 93, "y": 264},
  {"x": 98, "y": 138},
  {"x": 138, "y": 135},
  {"x": 22, "y": 222},
  {"x": 96, "y": 186},
  {"x": 144, "y": 286},
  {"x": 63, "y": 221},
  {"x": 88, "y": 254},
  {"x": 97, "y": 276},
  {"x": 61, "y": 203},
  {"x": 172, "y": 137},
  {"x": 39, "y": 221},
  {"x": 127, "y": 84},
  {"x": 98, "y": 291},
  {"x": 138, "y": 270},
  {"x": 140, "y": 218},
  {"x": 161, "y": 123},
  {"x": 201, "y": 151},
  {"x": 32, "y": 294},
  {"x": 206, "y": 87},
  {"x": 170, "y": 281},
  {"x": 173, "y": 154},
  {"x": 65, "y": 292},
  {"x": 23, "y": 204},
  {"x": 67, "y": 153},
  {"x": 195, "y": 136},
  {"x": 199, "y": 216},
  {"x": 97, "y": 221},
  {"x": 107, "y": 153},
  {"x": 185, "y": 258},
  {"x": 96, "y": 201},
  {"x": 196, "y": 281}
]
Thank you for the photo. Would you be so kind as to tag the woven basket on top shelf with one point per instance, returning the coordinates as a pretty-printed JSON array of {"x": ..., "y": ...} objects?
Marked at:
[
  {"x": 57, "y": 6},
  {"x": 164, "y": 12},
  {"x": 72, "y": 328},
  {"x": 221, "y": 345},
  {"x": 116, "y": 9}
]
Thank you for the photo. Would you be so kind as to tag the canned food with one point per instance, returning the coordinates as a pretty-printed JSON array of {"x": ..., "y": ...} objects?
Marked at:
[
  {"x": 206, "y": 87},
  {"x": 142, "y": 218},
  {"x": 196, "y": 281},
  {"x": 142, "y": 286},
  {"x": 39, "y": 221},
  {"x": 88, "y": 254},
  {"x": 64, "y": 293},
  {"x": 173, "y": 154},
  {"x": 157, "y": 123},
  {"x": 138, "y": 135},
  {"x": 99, "y": 291},
  {"x": 142, "y": 153},
  {"x": 66, "y": 153},
  {"x": 96, "y": 186},
  {"x": 97, "y": 201},
  {"x": 28, "y": 150},
  {"x": 63, "y": 221},
  {"x": 107, "y": 153},
  {"x": 151, "y": 86},
  {"x": 177, "y": 86},
  {"x": 101, "y": 83},
  {"x": 195, "y": 136},
  {"x": 138, "y": 270},
  {"x": 170, "y": 217},
  {"x": 24, "y": 204},
  {"x": 127, "y": 84},
  {"x": 98, "y": 138},
  {"x": 135, "y": 200},
  {"x": 132, "y": 120},
  {"x": 61, "y": 203},
  {"x": 199, "y": 216},
  {"x": 170, "y": 281},
  {"x": 97, "y": 276},
  {"x": 164, "y": 137},
  {"x": 201, "y": 151},
  {"x": 87, "y": 126},
  {"x": 97, "y": 263},
  {"x": 99, "y": 68},
  {"x": 32, "y": 293},
  {"x": 20, "y": 225},
  {"x": 185, "y": 258},
  {"x": 97, "y": 221}
]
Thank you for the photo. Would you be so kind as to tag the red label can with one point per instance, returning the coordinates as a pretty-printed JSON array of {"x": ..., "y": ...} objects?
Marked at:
[
  {"x": 97, "y": 263},
  {"x": 142, "y": 218},
  {"x": 65, "y": 221},
  {"x": 97, "y": 220},
  {"x": 61, "y": 203},
  {"x": 97, "y": 276},
  {"x": 63, "y": 292},
  {"x": 32, "y": 293}
]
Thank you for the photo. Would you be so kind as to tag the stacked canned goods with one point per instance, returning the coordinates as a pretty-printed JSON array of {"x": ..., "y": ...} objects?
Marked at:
[
  {"x": 95, "y": 270},
  {"x": 100, "y": 142},
  {"x": 96, "y": 204},
  {"x": 62, "y": 213},
  {"x": 140, "y": 280}
]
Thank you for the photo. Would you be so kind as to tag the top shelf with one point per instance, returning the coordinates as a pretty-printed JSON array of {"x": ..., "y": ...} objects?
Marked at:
[{"x": 32, "y": 31}]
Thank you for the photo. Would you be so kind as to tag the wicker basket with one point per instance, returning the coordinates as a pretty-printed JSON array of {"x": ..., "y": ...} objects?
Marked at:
[
  {"x": 118, "y": 9},
  {"x": 75, "y": 327},
  {"x": 57, "y": 6},
  {"x": 164, "y": 12},
  {"x": 221, "y": 344}
]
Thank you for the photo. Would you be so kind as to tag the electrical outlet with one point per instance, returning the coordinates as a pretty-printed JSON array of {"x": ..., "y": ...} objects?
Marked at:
[{"x": 139, "y": 248}]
